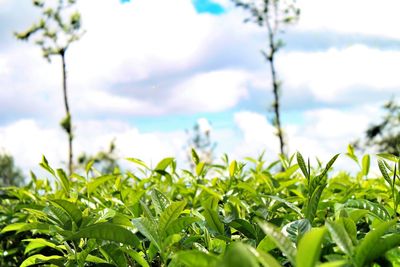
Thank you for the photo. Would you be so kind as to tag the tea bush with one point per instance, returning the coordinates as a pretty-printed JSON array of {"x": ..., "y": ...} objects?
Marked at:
[{"x": 249, "y": 213}]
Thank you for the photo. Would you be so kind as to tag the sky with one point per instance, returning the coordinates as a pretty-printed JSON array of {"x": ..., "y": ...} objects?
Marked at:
[{"x": 147, "y": 70}]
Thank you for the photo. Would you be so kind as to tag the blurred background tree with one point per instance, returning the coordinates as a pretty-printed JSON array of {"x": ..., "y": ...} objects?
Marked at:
[
  {"x": 274, "y": 15},
  {"x": 104, "y": 161},
  {"x": 10, "y": 174},
  {"x": 58, "y": 27},
  {"x": 384, "y": 135},
  {"x": 199, "y": 139}
]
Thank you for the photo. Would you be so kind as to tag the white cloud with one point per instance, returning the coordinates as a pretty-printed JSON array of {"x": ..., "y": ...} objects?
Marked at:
[
  {"x": 211, "y": 91},
  {"x": 329, "y": 75},
  {"x": 27, "y": 141},
  {"x": 257, "y": 133},
  {"x": 136, "y": 40},
  {"x": 373, "y": 17}
]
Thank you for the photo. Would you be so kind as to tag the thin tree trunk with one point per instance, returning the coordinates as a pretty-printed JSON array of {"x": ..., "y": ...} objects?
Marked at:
[
  {"x": 68, "y": 125},
  {"x": 276, "y": 104},
  {"x": 275, "y": 85}
]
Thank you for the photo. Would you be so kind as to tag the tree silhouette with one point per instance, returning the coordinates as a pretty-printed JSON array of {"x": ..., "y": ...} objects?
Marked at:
[
  {"x": 10, "y": 174},
  {"x": 385, "y": 135},
  {"x": 58, "y": 27},
  {"x": 274, "y": 15}
]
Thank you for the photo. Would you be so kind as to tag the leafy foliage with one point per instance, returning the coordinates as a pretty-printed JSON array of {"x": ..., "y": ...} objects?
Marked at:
[{"x": 218, "y": 215}]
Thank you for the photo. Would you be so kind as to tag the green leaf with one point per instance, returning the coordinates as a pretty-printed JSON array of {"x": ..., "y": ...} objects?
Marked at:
[
  {"x": 71, "y": 209},
  {"x": 340, "y": 236},
  {"x": 159, "y": 201},
  {"x": 312, "y": 205},
  {"x": 45, "y": 165},
  {"x": 232, "y": 168},
  {"x": 374, "y": 208},
  {"x": 193, "y": 258},
  {"x": 213, "y": 221},
  {"x": 195, "y": 157},
  {"x": 383, "y": 245},
  {"x": 138, "y": 162},
  {"x": 238, "y": 255},
  {"x": 200, "y": 168},
  {"x": 297, "y": 229},
  {"x": 244, "y": 227},
  {"x": 338, "y": 263},
  {"x": 266, "y": 259},
  {"x": 302, "y": 165},
  {"x": 38, "y": 258},
  {"x": 115, "y": 253},
  {"x": 287, "y": 203},
  {"x": 136, "y": 256},
  {"x": 366, "y": 164},
  {"x": 385, "y": 175},
  {"x": 170, "y": 214},
  {"x": 309, "y": 249},
  {"x": 281, "y": 241},
  {"x": 109, "y": 232},
  {"x": 180, "y": 224},
  {"x": 368, "y": 244},
  {"x": 389, "y": 157},
  {"x": 163, "y": 164},
  {"x": 21, "y": 227},
  {"x": 35, "y": 243},
  {"x": 149, "y": 230},
  {"x": 94, "y": 183},
  {"x": 62, "y": 176}
]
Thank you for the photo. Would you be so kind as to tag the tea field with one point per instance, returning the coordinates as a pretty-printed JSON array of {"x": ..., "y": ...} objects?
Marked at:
[{"x": 236, "y": 214}]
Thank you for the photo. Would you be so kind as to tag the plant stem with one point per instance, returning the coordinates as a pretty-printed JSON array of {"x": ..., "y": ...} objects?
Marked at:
[{"x": 67, "y": 111}]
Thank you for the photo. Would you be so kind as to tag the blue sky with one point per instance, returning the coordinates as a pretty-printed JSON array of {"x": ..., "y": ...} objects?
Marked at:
[{"x": 154, "y": 67}]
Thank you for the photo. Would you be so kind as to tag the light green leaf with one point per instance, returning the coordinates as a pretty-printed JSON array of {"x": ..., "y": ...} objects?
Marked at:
[
  {"x": 180, "y": 224},
  {"x": 170, "y": 214},
  {"x": 374, "y": 208},
  {"x": 297, "y": 229},
  {"x": 35, "y": 243},
  {"x": 302, "y": 165},
  {"x": 45, "y": 165},
  {"x": 266, "y": 259},
  {"x": 149, "y": 230},
  {"x": 238, "y": 255},
  {"x": 163, "y": 164},
  {"x": 62, "y": 176},
  {"x": 193, "y": 258},
  {"x": 232, "y": 168},
  {"x": 71, "y": 209},
  {"x": 200, "y": 168},
  {"x": 115, "y": 253},
  {"x": 385, "y": 175},
  {"x": 287, "y": 203},
  {"x": 340, "y": 236},
  {"x": 138, "y": 162},
  {"x": 309, "y": 249},
  {"x": 388, "y": 156},
  {"x": 159, "y": 201},
  {"x": 195, "y": 157},
  {"x": 94, "y": 183},
  {"x": 213, "y": 221},
  {"x": 281, "y": 241},
  {"x": 244, "y": 227},
  {"x": 136, "y": 256},
  {"x": 38, "y": 258},
  {"x": 368, "y": 244},
  {"x": 366, "y": 164},
  {"x": 107, "y": 231}
]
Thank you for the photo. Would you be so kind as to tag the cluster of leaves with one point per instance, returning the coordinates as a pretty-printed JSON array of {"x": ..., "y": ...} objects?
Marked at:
[{"x": 287, "y": 213}]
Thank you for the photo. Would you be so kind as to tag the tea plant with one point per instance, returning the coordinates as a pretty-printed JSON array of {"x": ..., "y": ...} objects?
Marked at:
[{"x": 286, "y": 213}]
